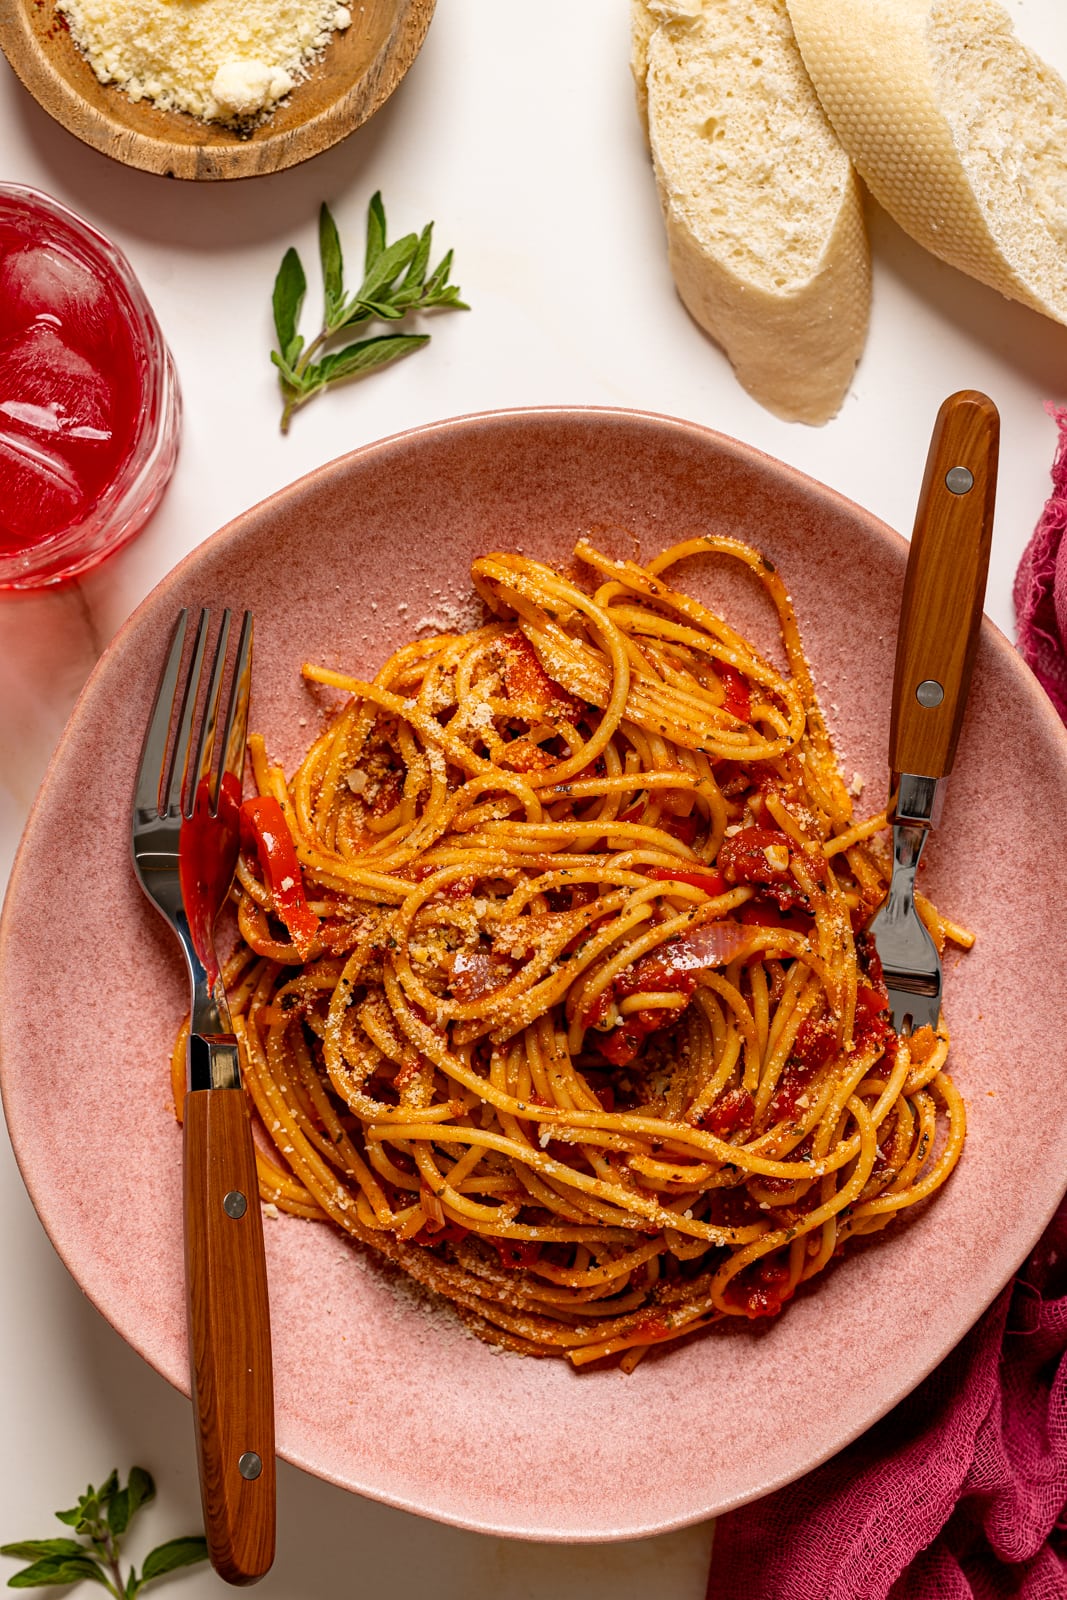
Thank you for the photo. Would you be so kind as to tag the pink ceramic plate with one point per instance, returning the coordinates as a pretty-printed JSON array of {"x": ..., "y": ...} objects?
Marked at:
[{"x": 375, "y": 1392}]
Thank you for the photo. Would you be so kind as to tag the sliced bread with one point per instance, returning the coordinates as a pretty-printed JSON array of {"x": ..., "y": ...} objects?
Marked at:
[
  {"x": 645, "y": 18},
  {"x": 958, "y": 129},
  {"x": 763, "y": 213}
]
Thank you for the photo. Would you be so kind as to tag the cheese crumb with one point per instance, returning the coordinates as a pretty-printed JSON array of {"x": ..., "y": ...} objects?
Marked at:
[
  {"x": 242, "y": 88},
  {"x": 480, "y": 716},
  {"x": 227, "y": 61}
]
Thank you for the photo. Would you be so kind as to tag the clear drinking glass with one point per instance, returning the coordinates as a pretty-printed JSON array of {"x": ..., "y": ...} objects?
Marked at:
[{"x": 90, "y": 409}]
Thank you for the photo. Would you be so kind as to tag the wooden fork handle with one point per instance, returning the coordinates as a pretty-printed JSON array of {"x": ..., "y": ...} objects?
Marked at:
[
  {"x": 229, "y": 1334},
  {"x": 944, "y": 587}
]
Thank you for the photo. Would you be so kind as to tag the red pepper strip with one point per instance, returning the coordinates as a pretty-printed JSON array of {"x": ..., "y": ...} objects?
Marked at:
[
  {"x": 207, "y": 856},
  {"x": 672, "y": 967},
  {"x": 732, "y": 1110},
  {"x": 683, "y": 828},
  {"x": 526, "y": 679},
  {"x": 737, "y": 698},
  {"x": 265, "y": 830},
  {"x": 621, "y": 1045},
  {"x": 432, "y": 1234},
  {"x": 760, "y": 913},
  {"x": 872, "y": 1017},
  {"x": 515, "y": 1253},
  {"x": 712, "y": 883}
]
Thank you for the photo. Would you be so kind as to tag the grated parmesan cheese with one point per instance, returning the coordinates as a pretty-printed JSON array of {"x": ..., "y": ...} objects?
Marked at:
[{"x": 218, "y": 60}]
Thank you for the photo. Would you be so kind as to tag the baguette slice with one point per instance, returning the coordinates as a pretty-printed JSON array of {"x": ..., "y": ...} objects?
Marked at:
[
  {"x": 645, "y": 18},
  {"x": 764, "y": 218},
  {"x": 958, "y": 129}
]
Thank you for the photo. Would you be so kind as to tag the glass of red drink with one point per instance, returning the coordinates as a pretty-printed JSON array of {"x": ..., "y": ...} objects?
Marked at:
[{"x": 89, "y": 402}]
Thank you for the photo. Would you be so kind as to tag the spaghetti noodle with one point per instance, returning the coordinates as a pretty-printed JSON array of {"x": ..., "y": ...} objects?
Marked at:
[{"x": 552, "y": 986}]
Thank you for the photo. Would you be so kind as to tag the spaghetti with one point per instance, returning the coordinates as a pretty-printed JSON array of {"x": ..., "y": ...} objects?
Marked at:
[{"x": 552, "y": 986}]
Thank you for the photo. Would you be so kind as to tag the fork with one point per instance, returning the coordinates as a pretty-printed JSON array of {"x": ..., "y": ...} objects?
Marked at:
[
  {"x": 185, "y": 842},
  {"x": 940, "y": 617}
]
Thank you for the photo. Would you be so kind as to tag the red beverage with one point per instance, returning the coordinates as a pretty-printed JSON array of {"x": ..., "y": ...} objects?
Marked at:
[{"x": 89, "y": 407}]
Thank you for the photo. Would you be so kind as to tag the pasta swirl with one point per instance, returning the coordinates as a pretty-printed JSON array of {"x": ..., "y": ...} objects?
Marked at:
[{"x": 582, "y": 1029}]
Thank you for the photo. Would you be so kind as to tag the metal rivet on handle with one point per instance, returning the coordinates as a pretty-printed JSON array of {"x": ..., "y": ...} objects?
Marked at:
[
  {"x": 234, "y": 1204},
  {"x": 929, "y": 693},
  {"x": 958, "y": 480},
  {"x": 250, "y": 1466}
]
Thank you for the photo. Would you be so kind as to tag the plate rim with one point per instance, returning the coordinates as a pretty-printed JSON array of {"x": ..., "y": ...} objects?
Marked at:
[{"x": 749, "y": 456}]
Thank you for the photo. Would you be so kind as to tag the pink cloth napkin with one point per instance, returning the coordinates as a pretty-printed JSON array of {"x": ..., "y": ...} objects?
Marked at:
[
  {"x": 1040, "y": 591},
  {"x": 960, "y": 1493}
]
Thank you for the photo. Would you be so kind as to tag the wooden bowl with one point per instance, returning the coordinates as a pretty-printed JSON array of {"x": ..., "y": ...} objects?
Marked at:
[{"x": 358, "y": 72}]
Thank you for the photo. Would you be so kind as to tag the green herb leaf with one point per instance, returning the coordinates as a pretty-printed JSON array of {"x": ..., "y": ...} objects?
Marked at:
[
  {"x": 309, "y": 381},
  {"x": 394, "y": 284},
  {"x": 141, "y": 1487},
  {"x": 375, "y": 232},
  {"x": 102, "y": 1516},
  {"x": 175, "y": 1553},
  {"x": 332, "y": 266},
  {"x": 416, "y": 272},
  {"x": 369, "y": 354},
  {"x": 439, "y": 275},
  {"x": 32, "y": 1549},
  {"x": 290, "y": 380},
  {"x": 438, "y": 291},
  {"x": 290, "y": 286},
  {"x": 384, "y": 310},
  {"x": 58, "y": 1569},
  {"x": 118, "y": 1513},
  {"x": 392, "y": 261}
]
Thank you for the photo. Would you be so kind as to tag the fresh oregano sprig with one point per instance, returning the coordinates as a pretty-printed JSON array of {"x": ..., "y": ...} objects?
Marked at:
[
  {"x": 101, "y": 1518},
  {"x": 396, "y": 281}
]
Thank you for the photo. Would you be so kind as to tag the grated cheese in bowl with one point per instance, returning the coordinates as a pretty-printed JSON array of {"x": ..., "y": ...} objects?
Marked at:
[{"x": 225, "y": 61}]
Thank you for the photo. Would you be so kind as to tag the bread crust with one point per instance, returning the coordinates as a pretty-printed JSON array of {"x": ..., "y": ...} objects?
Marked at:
[
  {"x": 790, "y": 309},
  {"x": 903, "y": 96}
]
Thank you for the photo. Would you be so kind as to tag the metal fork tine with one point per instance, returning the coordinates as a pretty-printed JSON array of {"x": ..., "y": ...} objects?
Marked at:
[
  {"x": 235, "y": 731},
  {"x": 150, "y": 773},
  {"x": 206, "y": 745},
  {"x": 183, "y": 738}
]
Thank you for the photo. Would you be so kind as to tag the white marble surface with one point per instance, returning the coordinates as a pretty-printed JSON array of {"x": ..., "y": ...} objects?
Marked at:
[{"x": 516, "y": 132}]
